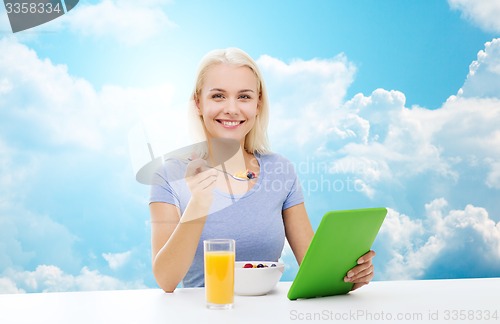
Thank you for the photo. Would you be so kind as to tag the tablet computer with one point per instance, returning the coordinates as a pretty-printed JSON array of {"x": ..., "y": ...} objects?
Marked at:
[{"x": 341, "y": 238}]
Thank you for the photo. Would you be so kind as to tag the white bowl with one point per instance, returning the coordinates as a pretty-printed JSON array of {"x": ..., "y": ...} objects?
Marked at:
[{"x": 256, "y": 281}]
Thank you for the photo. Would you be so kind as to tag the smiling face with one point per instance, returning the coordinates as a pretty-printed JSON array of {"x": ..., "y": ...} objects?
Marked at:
[{"x": 228, "y": 101}]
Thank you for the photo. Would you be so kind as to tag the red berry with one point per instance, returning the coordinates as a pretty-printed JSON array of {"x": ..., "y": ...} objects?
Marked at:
[{"x": 248, "y": 265}]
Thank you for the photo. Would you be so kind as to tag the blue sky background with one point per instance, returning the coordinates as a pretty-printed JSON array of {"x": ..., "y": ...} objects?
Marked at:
[{"x": 377, "y": 103}]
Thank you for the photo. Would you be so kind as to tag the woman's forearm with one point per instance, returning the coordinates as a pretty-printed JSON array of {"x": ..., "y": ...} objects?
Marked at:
[{"x": 172, "y": 261}]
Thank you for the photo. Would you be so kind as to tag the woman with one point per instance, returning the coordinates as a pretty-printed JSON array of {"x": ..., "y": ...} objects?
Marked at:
[{"x": 253, "y": 196}]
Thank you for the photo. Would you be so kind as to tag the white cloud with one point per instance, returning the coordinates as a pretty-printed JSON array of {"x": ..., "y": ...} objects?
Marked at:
[
  {"x": 484, "y": 73},
  {"x": 306, "y": 91},
  {"x": 65, "y": 110},
  {"x": 29, "y": 238},
  {"x": 402, "y": 157},
  {"x": 412, "y": 142},
  {"x": 493, "y": 178},
  {"x": 60, "y": 137},
  {"x": 117, "y": 260},
  {"x": 455, "y": 242},
  {"x": 15, "y": 176},
  {"x": 5, "y": 86},
  {"x": 129, "y": 22},
  {"x": 370, "y": 136},
  {"x": 7, "y": 286},
  {"x": 50, "y": 278},
  {"x": 482, "y": 13},
  {"x": 62, "y": 110},
  {"x": 125, "y": 21},
  {"x": 376, "y": 138},
  {"x": 409, "y": 247},
  {"x": 327, "y": 78}
]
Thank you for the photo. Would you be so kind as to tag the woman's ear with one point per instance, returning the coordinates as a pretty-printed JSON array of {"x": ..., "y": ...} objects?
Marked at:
[
  {"x": 197, "y": 104},
  {"x": 259, "y": 104}
]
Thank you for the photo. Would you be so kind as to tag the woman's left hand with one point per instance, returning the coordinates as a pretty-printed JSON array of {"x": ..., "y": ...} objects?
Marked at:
[{"x": 361, "y": 274}]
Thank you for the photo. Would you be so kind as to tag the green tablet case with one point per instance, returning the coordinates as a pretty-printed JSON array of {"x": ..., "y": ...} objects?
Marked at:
[{"x": 341, "y": 238}]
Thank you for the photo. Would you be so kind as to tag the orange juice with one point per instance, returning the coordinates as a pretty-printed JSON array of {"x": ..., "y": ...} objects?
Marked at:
[{"x": 219, "y": 277}]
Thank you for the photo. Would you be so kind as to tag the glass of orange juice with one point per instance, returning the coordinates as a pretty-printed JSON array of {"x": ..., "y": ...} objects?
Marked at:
[{"x": 219, "y": 273}]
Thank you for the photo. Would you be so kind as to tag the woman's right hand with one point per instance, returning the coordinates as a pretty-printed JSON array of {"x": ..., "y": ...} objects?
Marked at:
[
  {"x": 201, "y": 181},
  {"x": 174, "y": 237}
]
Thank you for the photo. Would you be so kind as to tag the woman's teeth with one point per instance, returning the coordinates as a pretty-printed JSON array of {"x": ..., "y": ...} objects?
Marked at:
[{"x": 230, "y": 123}]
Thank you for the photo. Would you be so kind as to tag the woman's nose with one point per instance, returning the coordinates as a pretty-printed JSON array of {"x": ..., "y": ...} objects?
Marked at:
[{"x": 231, "y": 107}]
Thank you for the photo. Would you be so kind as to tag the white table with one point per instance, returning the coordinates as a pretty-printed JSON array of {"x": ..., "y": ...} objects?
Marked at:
[{"x": 426, "y": 301}]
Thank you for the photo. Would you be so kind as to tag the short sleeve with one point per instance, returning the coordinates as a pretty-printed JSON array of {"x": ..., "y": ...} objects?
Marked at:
[
  {"x": 295, "y": 195},
  {"x": 169, "y": 185},
  {"x": 162, "y": 190}
]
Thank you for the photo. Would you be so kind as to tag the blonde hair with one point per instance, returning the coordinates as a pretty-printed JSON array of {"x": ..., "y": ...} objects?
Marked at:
[{"x": 256, "y": 140}]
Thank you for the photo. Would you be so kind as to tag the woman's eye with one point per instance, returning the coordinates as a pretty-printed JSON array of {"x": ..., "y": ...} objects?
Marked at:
[
  {"x": 217, "y": 96},
  {"x": 245, "y": 97}
]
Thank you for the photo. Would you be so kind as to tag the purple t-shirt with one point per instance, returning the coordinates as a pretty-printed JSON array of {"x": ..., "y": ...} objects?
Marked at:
[{"x": 254, "y": 220}]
